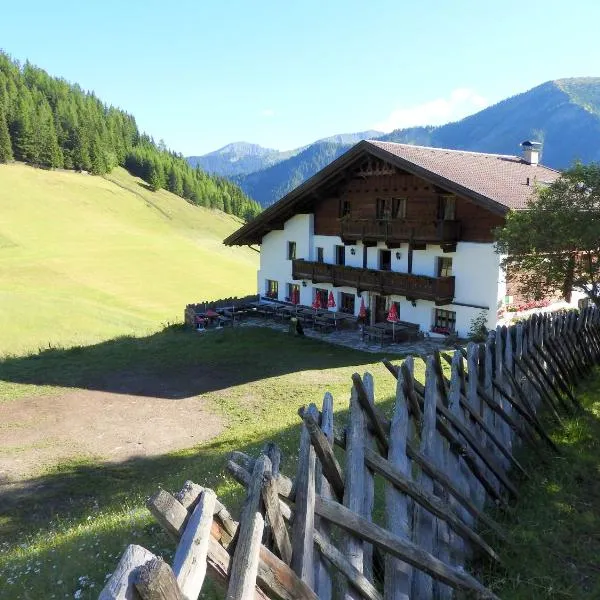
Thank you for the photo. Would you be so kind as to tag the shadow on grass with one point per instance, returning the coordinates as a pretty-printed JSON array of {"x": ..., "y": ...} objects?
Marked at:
[{"x": 178, "y": 363}]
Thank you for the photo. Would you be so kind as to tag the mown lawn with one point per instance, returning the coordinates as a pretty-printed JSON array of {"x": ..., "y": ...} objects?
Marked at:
[
  {"x": 85, "y": 259},
  {"x": 64, "y": 531},
  {"x": 75, "y": 521}
]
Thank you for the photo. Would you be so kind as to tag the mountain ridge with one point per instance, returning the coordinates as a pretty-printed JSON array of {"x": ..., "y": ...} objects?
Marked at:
[{"x": 563, "y": 114}]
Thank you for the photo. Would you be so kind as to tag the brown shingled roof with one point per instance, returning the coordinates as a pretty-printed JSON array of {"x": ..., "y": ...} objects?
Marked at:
[
  {"x": 499, "y": 182},
  {"x": 499, "y": 177}
]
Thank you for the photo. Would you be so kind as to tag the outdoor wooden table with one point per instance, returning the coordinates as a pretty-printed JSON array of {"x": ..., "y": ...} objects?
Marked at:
[
  {"x": 267, "y": 310},
  {"x": 324, "y": 323},
  {"x": 379, "y": 332}
]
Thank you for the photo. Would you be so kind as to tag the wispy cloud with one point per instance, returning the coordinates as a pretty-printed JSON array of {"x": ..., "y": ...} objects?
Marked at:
[
  {"x": 267, "y": 112},
  {"x": 460, "y": 103}
]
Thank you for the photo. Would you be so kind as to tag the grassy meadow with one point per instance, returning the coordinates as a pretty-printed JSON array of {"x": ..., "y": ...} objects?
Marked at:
[
  {"x": 90, "y": 269},
  {"x": 85, "y": 259}
]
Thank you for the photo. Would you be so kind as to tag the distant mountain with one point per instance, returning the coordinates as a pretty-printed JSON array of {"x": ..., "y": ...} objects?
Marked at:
[
  {"x": 242, "y": 158},
  {"x": 563, "y": 114},
  {"x": 239, "y": 158},
  {"x": 351, "y": 138},
  {"x": 274, "y": 182}
]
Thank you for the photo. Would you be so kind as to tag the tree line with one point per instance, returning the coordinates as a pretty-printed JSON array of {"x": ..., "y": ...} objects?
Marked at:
[{"x": 48, "y": 122}]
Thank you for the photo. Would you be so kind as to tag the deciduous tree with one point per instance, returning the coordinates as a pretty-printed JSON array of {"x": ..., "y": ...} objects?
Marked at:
[{"x": 554, "y": 245}]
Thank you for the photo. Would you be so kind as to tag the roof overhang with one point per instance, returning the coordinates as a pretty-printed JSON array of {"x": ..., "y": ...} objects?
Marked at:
[{"x": 301, "y": 199}]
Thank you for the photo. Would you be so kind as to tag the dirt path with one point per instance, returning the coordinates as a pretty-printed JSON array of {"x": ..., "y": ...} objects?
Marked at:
[{"x": 39, "y": 432}]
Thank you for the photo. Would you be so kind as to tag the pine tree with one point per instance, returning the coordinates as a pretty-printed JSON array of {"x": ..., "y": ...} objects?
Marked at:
[{"x": 6, "y": 153}]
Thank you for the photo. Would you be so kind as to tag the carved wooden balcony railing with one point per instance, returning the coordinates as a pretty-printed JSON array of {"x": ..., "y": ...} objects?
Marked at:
[
  {"x": 437, "y": 289},
  {"x": 400, "y": 230}
]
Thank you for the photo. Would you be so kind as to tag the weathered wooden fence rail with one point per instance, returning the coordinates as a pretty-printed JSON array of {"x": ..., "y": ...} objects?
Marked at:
[{"x": 448, "y": 450}]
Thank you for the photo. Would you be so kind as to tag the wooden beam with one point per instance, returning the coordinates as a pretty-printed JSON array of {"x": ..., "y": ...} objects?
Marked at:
[{"x": 403, "y": 549}]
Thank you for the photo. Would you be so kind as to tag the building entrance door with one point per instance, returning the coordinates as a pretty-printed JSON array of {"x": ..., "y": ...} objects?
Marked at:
[{"x": 380, "y": 309}]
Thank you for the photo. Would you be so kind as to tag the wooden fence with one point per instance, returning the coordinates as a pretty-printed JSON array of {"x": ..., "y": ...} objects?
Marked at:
[
  {"x": 448, "y": 450},
  {"x": 191, "y": 310}
]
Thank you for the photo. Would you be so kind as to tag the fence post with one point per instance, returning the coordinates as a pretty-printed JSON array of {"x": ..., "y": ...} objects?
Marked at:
[
  {"x": 398, "y": 574},
  {"x": 424, "y": 522},
  {"x": 323, "y": 585},
  {"x": 369, "y": 495},
  {"x": 355, "y": 482}
]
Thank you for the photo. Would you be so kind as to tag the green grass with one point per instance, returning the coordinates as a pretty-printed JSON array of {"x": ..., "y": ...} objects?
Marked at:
[
  {"x": 84, "y": 259},
  {"x": 554, "y": 530},
  {"x": 75, "y": 520}
]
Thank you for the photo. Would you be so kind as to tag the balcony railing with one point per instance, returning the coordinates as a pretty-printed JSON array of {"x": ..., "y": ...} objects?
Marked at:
[
  {"x": 437, "y": 289},
  {"x": 401, "y": 230}
]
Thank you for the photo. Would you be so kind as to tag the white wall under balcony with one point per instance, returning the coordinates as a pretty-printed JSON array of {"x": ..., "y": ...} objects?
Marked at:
[{"x": 274, "y": 263}]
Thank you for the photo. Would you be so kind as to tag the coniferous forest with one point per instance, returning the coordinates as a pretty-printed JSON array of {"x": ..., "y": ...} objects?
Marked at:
[{"x": 50, "y": 123}]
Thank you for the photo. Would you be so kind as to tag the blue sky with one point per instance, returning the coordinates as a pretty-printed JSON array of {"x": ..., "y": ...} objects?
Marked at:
[{"x": 282, "y": 74}]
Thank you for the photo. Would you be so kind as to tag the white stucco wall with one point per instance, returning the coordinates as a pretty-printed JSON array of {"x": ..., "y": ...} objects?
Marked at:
[
  {"x": 273, "y": 254},
  {"x": 479, "y": 281}
]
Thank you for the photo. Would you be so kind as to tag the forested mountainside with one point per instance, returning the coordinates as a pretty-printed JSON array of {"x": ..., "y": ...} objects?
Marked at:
[
  {"x": 563, "y": 114},
  {"x": 270, "y": 184},
  {"x": 48, "y": 122}
]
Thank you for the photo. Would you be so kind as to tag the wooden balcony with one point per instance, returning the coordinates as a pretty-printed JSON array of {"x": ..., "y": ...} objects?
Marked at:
[
  {"x": 420, "y": 287},
  {"x": 400, "y": 230}
]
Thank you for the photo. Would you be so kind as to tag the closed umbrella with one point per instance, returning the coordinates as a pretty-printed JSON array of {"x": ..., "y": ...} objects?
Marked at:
[
  {"x": 362, "y": 311},
  {"x": 317, "y": 301},
  {"x": 331, "y": 301},
  {"x": 393, "y": 319}
]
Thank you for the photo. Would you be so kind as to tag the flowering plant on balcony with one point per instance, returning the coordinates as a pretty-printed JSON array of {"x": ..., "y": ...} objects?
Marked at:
[{"x": 442, "y": 330}]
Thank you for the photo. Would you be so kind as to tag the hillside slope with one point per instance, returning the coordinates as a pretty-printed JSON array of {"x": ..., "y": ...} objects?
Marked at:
[
  {"x": 87, "y": 258},
  {"x": 563, "y": 114}
]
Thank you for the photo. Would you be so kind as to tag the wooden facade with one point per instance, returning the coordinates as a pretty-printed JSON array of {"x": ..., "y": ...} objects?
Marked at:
[
  {"x": 352, "y": 211},
  {"x": 419, "y": 287}
]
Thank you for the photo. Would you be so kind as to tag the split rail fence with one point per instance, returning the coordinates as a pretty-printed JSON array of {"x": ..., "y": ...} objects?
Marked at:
[{"x": 448, "y": 450}]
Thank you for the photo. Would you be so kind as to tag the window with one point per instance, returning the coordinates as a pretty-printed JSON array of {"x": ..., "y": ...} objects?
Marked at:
[
  {"x": 444, "y": 321},
  {"x": 385, "y": 260},
  {"x": 323, "y": 296},
  {"x": 293, "y": 293},
  {"x": 272, "y": 290},
  {"x": 345, "y": 208},
  {"x": 446, "y": 208},
  {"x": 444, "y": 266},
  {"x": 291, "y": 250},
  {"x": 347, "y": 303},
  {"x": 384, "y": 209},
  {"x": 398, "y": 208},
  {"x": 320, "y": 258},
  {"x": 340, "y": 255},
  {"x": 391, "y": 208}
]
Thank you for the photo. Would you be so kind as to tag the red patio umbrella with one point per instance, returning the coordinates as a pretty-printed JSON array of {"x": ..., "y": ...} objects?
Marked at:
[
  {"x": 331, "y": 301},
  {"x": 393, "y": 319},
  {"x": 362, "y": 311},
  {"x": 295, "y": 296},
  {"x": 211, "y": 313},
  {"x": 317, "y": 301}
]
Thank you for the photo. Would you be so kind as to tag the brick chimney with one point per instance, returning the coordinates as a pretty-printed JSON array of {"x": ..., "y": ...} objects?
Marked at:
[{"x": 531, "y": 152}]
